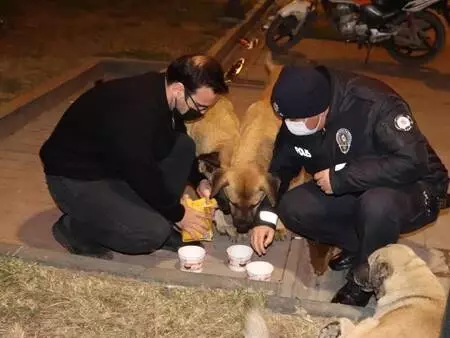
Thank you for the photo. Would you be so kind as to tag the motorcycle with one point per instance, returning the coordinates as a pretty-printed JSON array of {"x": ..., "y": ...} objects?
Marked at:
[{"x": 400, "y": 26}]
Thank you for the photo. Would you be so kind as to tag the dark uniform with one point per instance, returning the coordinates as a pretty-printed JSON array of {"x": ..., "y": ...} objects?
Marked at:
[{"x": 385, "y": 176}]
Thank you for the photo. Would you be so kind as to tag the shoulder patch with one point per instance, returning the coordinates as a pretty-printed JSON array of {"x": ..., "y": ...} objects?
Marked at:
[
  {"x": 344, "y": 140},
  {"x": 403, "y": 122}
]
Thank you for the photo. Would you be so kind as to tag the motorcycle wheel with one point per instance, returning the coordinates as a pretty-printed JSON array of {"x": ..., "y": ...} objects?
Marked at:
[
  {"x": 279, "y": 38},
  {"x": 404, "y": 54}
]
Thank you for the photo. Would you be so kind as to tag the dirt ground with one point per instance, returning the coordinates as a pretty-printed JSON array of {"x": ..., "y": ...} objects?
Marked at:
[
  {"x": 41, "y": 39},
  {"x": 39, "y": 301}
]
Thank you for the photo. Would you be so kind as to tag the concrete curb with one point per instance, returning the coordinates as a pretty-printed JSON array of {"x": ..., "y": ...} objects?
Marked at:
[
  {"x": 275, "y": 303},
  {"x": 156, "y": 275},
  {"x": 222, "y": 48},
  {"x": 292, "y": 306}
]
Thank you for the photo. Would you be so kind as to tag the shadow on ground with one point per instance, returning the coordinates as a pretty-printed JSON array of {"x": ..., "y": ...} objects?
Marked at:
[{"x": 36, "y": 231}]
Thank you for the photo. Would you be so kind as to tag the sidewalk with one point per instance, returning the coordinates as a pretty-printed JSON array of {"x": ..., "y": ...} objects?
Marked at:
[{"x": 27, "y": 212}]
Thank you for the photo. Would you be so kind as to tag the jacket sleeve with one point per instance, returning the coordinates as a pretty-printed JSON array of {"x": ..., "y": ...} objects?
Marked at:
[
  {"x": 401, "y": 155},
  {"x": 281, "y": 167},
  {"x": 132, "y": 150}
]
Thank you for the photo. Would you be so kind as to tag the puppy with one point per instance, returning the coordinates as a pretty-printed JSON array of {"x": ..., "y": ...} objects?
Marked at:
[
  {"x": 411, "y": 300},
  {"x": 216, "y": 135}
]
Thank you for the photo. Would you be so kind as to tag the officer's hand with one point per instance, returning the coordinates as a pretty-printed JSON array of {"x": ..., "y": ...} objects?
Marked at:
[
  {"x": 194, "y": 222},
  {"x": 322, "y": 179},
  {"x": 260, "y": 238},
  {"x": 204, "y": 189}
]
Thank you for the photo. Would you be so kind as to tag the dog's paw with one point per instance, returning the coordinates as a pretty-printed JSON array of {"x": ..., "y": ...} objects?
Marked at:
[
  {"x": 241, "y": 238},
  {"x": 222, "y": 222},
  {"x": 236, "y": 237},
  {"x": 224, "y": 226},
  {"x": 331, "y": 330},
  {"x": 280, "y": 234},
  {"x": 232, "y": 234}
]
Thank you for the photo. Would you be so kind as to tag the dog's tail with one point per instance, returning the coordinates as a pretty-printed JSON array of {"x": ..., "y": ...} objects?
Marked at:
[{"x": 255, "y": 326}]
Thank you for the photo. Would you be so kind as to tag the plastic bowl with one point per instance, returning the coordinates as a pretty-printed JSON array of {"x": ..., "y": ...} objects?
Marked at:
[
  {"x": 238, "y": 257},
  {"x": 261, "y": 271},
  {"x": 191, "y": 258}
]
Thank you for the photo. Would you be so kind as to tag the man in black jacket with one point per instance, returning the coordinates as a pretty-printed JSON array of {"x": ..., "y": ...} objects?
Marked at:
[
  {"x": 119, "y": 160},
  {"x": 375, "y": 174}
]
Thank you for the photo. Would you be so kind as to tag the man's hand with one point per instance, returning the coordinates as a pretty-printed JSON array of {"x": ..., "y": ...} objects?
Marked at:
[
  {"x": 194, "y": 222},
  {"x": 204, "y": 189},
  {"x": 261, "y": 236},
  {"x": 322, "y": 179}
]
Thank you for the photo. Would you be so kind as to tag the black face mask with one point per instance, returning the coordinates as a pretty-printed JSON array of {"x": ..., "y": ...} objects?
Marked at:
[{"x": 191, "y": 115}]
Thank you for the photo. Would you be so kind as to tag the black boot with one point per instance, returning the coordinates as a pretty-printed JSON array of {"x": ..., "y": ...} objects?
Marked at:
[
  {"x": 357, "y": 291},
  {"x": 65, "y": 236},
  {"x": 342, "y": 261}
]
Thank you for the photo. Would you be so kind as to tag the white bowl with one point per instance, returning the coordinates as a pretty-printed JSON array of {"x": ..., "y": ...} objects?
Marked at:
[
  {"x": 259, "y": 270},
  {"x": 191, "y": 258},
  {"x": 238, "y": 257}
]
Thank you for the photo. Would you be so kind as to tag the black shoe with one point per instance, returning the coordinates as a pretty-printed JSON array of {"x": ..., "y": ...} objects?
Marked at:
[
  {"x": 352, "y": 294},
  {"x": 342, "y": 261},
  {"x": 64, "y": 236},
  {"x": 174, "y": 242}
]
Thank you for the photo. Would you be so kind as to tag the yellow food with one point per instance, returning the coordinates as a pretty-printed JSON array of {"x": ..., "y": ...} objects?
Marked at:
[{"x": 206, "y": 206}]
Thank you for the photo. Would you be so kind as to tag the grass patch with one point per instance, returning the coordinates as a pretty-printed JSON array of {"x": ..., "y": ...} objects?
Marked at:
[{"x": 39, "y": 301}]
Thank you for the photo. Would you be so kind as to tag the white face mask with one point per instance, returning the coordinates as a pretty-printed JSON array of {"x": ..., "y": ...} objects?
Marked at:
[{"x": 299, "y": 128}]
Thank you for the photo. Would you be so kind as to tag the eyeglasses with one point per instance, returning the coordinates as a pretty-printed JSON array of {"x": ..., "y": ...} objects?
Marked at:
[{"x": 199, "y": 107}]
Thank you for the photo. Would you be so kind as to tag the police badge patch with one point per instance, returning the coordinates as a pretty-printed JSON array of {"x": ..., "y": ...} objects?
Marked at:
[
  {"x": 344, "y": 140},
  {"x": 403, "y": 122}
]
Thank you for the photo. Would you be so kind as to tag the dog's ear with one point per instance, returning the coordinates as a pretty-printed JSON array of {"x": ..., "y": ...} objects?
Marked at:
[
  {"x": 379, "y": 272},
  {"x": 361, "y": 275},
  {"x": 210, "y": 161},
  {"x": 219, "y": 181},
  {"x": 270, "y": 188}
]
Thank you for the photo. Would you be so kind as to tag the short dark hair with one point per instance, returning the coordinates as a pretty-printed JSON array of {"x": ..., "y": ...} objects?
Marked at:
[{"x": 195, "y": 71}]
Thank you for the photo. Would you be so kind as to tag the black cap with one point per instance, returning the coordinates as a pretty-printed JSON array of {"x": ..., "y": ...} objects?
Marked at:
[{"x": 301, "y": 92}]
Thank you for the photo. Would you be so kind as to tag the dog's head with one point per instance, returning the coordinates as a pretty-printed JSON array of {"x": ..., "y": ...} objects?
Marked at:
[
  {"x": 394, "y": 260},
  {"x": 244, "y": 188}
]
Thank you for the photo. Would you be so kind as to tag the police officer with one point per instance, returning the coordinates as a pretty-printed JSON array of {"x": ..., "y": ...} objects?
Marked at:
[{"x": 375, "y": 174}]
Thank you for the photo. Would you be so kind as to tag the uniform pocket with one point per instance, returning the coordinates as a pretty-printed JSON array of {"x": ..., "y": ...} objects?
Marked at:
[{"x": 423, "y": 207}]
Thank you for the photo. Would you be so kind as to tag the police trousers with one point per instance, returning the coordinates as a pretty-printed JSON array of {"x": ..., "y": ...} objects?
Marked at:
[{"x": 359, "y": 223}]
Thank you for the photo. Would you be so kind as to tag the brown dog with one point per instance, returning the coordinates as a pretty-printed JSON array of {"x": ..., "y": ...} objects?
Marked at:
[
  {"x": 247, "y": 181},
  {"x": 216, "y": 135},
  {"x": 411, "y": 300}
]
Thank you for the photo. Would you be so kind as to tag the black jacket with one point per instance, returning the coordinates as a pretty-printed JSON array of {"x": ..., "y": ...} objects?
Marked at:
[
  {"x": 120, "y": 129},
  {"x": 370, "y": 140}
]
